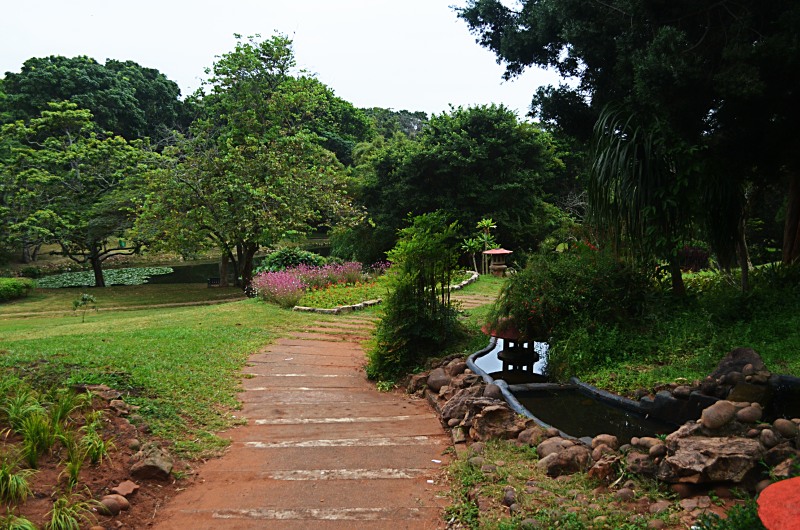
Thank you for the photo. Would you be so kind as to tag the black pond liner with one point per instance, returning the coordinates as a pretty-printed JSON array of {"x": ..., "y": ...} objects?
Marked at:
[{"x": 578, "y": 409}]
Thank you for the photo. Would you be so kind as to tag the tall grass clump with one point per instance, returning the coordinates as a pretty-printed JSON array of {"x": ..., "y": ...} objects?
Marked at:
[
  {"x": 419, "y": 321},
  {"x": 14, "y": 486}
]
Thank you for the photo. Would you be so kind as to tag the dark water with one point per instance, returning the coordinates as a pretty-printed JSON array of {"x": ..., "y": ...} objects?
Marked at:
[
  {"x": 579, "y": 415},
  {"x": 194, "y": 273}
]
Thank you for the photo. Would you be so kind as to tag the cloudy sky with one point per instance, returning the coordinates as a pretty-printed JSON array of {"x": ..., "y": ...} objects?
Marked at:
[{"x": 400, "y": 54}]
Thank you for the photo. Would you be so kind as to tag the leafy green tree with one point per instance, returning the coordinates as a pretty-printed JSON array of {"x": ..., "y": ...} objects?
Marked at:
[
  {"x": 65, "y": 183},
  {"x": 722, "y": 77},
  {"x": 254, "y": 167},
  {"x": 388, "y": 122},
  {"x": 473, "y": 163},
  {"x": 130, "y": 100}
]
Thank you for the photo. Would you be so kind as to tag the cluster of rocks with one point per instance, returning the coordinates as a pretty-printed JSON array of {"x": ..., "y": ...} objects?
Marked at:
[
  {"x": 728, "y": 445},
  {"x": 117, "y": 501}
]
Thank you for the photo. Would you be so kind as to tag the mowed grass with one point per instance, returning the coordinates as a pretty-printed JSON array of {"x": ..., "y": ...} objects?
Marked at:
[
  {"x": 119, "y": 297},
  {"x": 181, "y": 365}
]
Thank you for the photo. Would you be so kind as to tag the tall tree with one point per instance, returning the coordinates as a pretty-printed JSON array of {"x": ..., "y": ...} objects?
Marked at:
[
  {"x": 254, "y": 167},
  {"x": 471, "y": 163},
  {"x": 130, "y": 100},
  {"x": 65, "y": 183},
  {"x": 721, "y": 76}
]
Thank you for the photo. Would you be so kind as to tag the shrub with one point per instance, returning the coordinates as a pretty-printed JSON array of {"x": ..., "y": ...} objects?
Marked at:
[
  {"x": 580, "y": 287},
  {"x": 284, "y": 288},
  {"x": 287, "y": 258},
  {"x": 331, "y": 274},
  {"x": 13, "y": 288},
  {"x": 419, "y": 320}
]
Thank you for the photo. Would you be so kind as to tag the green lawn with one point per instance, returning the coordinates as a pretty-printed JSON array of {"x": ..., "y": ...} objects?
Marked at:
[{"x": 181, "y": 365}]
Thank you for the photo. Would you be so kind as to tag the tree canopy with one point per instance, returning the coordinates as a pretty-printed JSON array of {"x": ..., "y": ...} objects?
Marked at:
[
  {"x": 254, "y": 166},
  {"x": 715, "y": 79},
  {"x": 130, "y": 100},
  {"x": 64, "y": 183},
  {"x": 471, "y": 163}
]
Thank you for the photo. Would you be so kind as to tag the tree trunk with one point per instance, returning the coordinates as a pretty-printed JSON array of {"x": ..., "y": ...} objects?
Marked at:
[
  {"x": 678, "y": 288},
  {"x": 97, "y": 268},
  {"x": 223, "y": 270},
  {"x": 248, "y": 253},
  {"x": 744, "y": 256},
  {"x": 791, "y": 228}
]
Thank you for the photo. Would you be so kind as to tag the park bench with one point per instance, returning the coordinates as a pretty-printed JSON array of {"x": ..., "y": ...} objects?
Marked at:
[{"x": 213, "y": 282}]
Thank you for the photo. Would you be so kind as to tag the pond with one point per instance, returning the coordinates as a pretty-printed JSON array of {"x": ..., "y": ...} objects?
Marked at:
[{"x": 580, "y": 415}]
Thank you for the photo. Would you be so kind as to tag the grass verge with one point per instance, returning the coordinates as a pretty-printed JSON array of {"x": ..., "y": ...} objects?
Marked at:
[{"x": 181, "y": 365}]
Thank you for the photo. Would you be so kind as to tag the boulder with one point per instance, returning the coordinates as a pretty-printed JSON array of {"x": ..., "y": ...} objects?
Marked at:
[
  {"x": 605, "y": 439},
  {"x": 715, "y": 459},
  {"x": 458, "y": 406},
  {"x": 492, "y": 391},
  {"x": 571, "y": 460},
  {"x": 737, "y": 360},
  {"x": 497, "y": 421},
  {"x": 786, "y": 428},
  {"x": 152, "y": 462},
  {"x": 416, "y": 383},
  {"x": 640, "y": 463},
  {"x": 749, "y": 414},
  {"x": 532, "y": 436},
  {"x": 437, "y": 379},
  {"x": 718, "y": 415},
  {"x": 552, "y": 445},
  {"x": 455, "y": 367}
]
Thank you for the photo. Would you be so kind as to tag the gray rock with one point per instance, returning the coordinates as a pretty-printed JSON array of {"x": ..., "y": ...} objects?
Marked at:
[
  {"x": 456, "y": 367},
  {"x": 640, "y": 463},
  {"x": 509, "y": 496},
  {"x": 152, "y": 462},
  {"x": 768, "y": 438},
  {"x": 437, "y": 379},
  {"x": 682, "y": 392},
  {"x": 701, "y": 460},
  {"x": 416, "y": 383},
  {"x": 657, "y": 451},
  {"x": 736, "y": 361},
  {"x": 552, "y": 445},
  {"x": 532, "y": 436},
  {"x": 492, "y": 391},
  {"x": 625, "y": 494},
  {"x": 497, "y": 422},
  {"x": 458, "y": 406}
]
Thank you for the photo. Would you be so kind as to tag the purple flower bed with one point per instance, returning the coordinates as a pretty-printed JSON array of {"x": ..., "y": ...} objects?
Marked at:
[{"x": 286, "y": 287}]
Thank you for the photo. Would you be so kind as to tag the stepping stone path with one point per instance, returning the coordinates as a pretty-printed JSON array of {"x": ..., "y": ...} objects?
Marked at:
[{"x": 322, "y": 448}]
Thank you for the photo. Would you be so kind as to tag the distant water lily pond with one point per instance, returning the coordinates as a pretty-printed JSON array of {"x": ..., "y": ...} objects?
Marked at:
[{"x": 130, "y": 276}]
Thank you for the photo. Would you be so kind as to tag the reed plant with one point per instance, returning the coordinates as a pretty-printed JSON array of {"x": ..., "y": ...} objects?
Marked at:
[{"x": 14, "y": 485}]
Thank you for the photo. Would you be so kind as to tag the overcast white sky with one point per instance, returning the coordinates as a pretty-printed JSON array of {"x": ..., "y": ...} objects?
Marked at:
[{"x": 400, "y": 54}]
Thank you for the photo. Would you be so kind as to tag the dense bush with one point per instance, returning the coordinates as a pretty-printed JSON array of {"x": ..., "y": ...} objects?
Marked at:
[
  {"x": 13, "y": 288},
  {"x": 581, "y": 287},
  {"x": 418, "y": 320},
  {"x": 287, "y": 258}
]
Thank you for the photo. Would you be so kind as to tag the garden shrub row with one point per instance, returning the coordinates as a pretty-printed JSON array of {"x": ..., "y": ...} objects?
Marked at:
[{"x": 13, "y": 288}]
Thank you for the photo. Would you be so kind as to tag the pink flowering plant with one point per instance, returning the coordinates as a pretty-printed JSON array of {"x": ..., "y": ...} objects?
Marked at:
[
  {"x": 284, "y": 288},
  {"x": 326, "y": 286}
]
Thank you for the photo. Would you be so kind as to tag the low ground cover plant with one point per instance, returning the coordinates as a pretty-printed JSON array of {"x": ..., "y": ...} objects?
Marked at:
[
  {"x": 129, "y": 276},
  {"x": 344, "y": 294},
  {"x": 13, "y": 288}
]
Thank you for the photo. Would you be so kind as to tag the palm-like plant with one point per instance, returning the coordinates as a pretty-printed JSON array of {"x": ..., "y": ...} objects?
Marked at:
[{"x": 638, "y": 189}]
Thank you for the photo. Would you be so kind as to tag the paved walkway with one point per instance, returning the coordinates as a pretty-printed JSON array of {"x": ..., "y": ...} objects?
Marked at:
[{"x": 321, "y": 448}]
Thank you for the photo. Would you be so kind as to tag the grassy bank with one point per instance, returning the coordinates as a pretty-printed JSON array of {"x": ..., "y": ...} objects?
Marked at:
[{"x": 181, "y": 365}]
